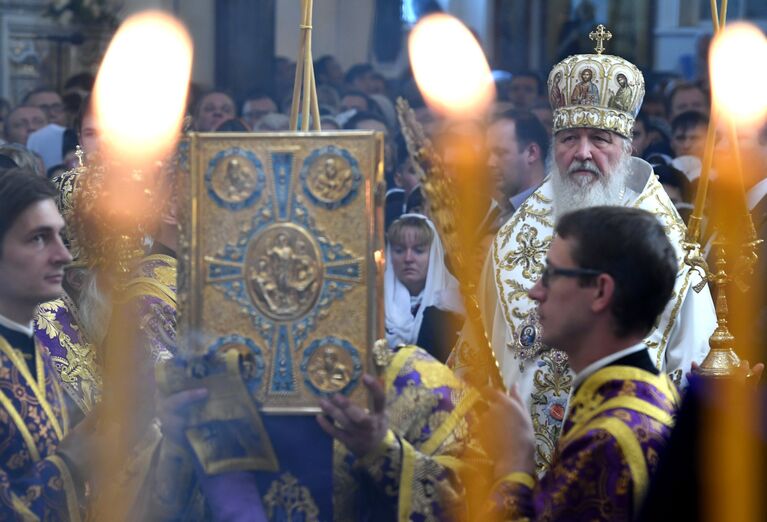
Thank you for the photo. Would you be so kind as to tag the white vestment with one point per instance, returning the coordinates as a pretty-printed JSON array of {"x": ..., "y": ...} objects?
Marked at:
[{"x": 515, "y": 263}]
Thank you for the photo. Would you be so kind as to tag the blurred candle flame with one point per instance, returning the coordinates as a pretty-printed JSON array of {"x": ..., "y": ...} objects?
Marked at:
[
  {"x": 141, "y": 87},
  {"x": 738, "y": 78},
  {"x": 450, "y": 68}
]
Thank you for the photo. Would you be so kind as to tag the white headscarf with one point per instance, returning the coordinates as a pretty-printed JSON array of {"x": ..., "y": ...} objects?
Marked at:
[{"x": 440, "y": 290}]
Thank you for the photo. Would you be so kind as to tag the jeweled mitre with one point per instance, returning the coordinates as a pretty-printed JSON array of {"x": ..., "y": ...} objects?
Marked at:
[{"x": 601, "y": 91}]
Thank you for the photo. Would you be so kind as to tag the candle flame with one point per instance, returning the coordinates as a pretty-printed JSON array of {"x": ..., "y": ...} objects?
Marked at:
[
  {"x": 140, "y": 91},
  {"x": 449, "y": 67},
  {"x": 738, "y": 79}
]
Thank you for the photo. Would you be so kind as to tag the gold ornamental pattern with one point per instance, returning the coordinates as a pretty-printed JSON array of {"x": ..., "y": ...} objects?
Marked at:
[
  {"x": 330, "y": 368},
  {"x": 284, "y": 272},
  {"x": 234, "y": 180},
  {"x": 330, "y": 178}
]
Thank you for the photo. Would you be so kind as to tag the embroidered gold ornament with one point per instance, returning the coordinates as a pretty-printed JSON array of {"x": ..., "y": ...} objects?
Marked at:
[{"x": 600, "y": 91}]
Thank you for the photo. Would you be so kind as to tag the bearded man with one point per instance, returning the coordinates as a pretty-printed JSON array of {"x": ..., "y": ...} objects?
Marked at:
[{"x": 589, "y": 165}]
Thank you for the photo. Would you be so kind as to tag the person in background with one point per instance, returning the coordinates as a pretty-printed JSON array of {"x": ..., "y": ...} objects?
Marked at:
[
  {"x": 687, "y": 97},
  {"x": 21, "y": 122},
  {"x": 420, "y": 295},
  {"x": 608, "y": 275},
  {"x": 212, "y": 109},
  {"x": 257, "y": 104},
  {"x": 524, "y": 90},
  {"x": 688, "y": 134}
]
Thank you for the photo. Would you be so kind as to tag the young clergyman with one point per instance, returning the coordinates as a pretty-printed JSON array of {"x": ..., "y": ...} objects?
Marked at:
[
  {"x": 609, "y": 273},
  {"x": 42, "y": 460}
]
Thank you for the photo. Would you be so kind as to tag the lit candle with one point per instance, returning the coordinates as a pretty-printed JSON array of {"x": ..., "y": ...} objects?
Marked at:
[
  {"x": 737, "y": 83},
  {"x": 450, "y": 68},
  {"x": 140, "y": 90}
]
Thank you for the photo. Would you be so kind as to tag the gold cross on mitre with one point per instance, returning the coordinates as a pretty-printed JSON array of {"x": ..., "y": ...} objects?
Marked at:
[{"x": 600, "y": 36}]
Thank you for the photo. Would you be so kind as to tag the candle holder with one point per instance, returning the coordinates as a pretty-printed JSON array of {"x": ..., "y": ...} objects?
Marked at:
[{"x": 441, "y": 195}]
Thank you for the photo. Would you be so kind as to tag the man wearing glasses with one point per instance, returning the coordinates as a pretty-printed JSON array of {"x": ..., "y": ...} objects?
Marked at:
[
  {"x": 47, "y": 141},
  {"x": 608, "y": 275}
]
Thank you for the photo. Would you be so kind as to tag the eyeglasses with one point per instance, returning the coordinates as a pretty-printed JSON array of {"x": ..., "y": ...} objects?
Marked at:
[{"x": 552, "y": 271}]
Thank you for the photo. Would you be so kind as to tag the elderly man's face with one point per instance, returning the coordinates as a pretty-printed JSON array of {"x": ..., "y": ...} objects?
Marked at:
[{"x": 586, "y": 154}]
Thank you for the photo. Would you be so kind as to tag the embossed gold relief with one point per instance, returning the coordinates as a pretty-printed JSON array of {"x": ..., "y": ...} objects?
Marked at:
[
  {"x": 287, "y": 499},
  {"x": 330, "y": 178},
  {"x": 234, "y": 180},
  {"x": 277, "y": 258},
  {"x": 330, "y": 368},
  {"x": 284, "y": 272}
]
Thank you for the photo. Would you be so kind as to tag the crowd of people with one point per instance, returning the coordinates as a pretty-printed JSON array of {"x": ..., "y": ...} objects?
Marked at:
[{"x": 590, "y": 311}]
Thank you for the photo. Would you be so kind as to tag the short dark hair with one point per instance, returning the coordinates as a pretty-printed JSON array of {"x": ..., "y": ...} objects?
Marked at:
[
  {"x": 20, "y": 188},
  {"x": 86, "y": 107},
  {"x": 357, "y": 71},
  {"x": 360, "y": 94},
  {"x": 685, "y": 87},
  {"x": 37, "y": 90},
  {"x": 257, "y": 94},
  {"x": 688, "y": 120},
  {"x": 631, "y": 246},
  {"x": 528, "y": 128},
  {"x": 360, "y": 116},
  {"x": 529, "y": 74},
  {"x": 321, "y": 64},
  {"x": 643, "y": 119}
]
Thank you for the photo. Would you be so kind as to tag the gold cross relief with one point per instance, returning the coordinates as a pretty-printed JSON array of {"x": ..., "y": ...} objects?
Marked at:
[{"x": 600, "y": 36}]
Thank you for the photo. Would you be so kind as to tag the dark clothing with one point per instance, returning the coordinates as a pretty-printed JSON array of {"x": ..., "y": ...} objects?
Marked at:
[
  {"x": 23, "y": 343},
  {"x": 439, "y": 331}
]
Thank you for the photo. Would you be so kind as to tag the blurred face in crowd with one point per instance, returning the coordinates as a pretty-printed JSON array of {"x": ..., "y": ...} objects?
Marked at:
[
  {"x": 89, "y": 134},
  {"x": 654, "y": 109},
  {"x": 365, "y": 82},
  {"x": 51, "y": 104},
  {"x": 22, "y": 122},
  {"x": 640, "y": 140},
  {"x": 523, "y": 91},
  {"x": 254, "y": 110},
  {"x": 215, "y": 108},
  {"x": 505, "y": 161},
  {"x": 406, "y": 177},
  {"x": 334, "y": 74},
  {"x": 410, "y": 259},
  {"x": 32, "y": 257},
  {"x": 691, "y": 99},
  {"x": 354, "y": 101},
  {"x": 689, "y": 142}
]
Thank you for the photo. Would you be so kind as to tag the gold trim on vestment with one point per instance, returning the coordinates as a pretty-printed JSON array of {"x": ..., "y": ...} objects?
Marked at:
[
  {"x": 38, "y": 391},
  {"x": 448, "y": 425},
  {"x": 625, "y": 402},
  {"x": 146, "y": 286},
  {"x": 73, "y": 506},
  {"x": 401, "y": 356},
  {"x": 516, "y": 477},
  {"x": 21, "y": 426},
  {"x": 21, "y": 509},
  {"x": 632, "y": 452},
  {"x": 406, "y": 480},
  {"x": 591, "y": 385}
]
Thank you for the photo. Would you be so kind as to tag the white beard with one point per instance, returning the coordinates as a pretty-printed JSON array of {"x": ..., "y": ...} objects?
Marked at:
[{"x": 574, "y": 193}]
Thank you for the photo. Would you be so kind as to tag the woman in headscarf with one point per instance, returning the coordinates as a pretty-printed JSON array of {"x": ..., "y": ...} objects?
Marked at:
[{"x": 422, "y": 302}]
